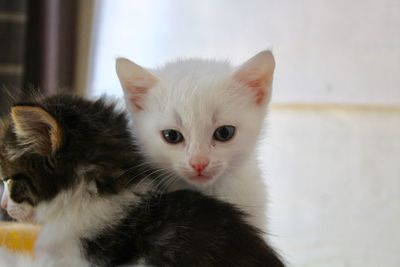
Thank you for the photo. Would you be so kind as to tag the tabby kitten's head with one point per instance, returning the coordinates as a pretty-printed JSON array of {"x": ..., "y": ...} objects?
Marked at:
[{"x": 61, "y": 153}]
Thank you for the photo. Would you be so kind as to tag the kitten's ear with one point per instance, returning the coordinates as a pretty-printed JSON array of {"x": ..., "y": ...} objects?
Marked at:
[
  {"x": 135, "y": 81},
  {"x": 37, "y": 129},
  {"x": 257, "y": 74}
]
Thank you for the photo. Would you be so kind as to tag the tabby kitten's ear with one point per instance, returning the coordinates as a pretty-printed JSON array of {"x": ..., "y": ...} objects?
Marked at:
[
  {"x": 257, "y": 74},
  {"x": 135, "y": 81},
  {"x": 36, "y": 129}
]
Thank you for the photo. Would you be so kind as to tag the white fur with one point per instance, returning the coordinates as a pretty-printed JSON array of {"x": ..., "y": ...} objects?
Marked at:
[
  {"x": 195, "y": 97},
  {"x": 76, "y": 214},
  {"x": 71, "y": 215},
  {"x": 20, "y": 211},
  {"x": 12, "y": 259}
]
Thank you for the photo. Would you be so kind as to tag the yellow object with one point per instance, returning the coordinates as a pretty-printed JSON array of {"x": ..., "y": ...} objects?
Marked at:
[{"x": 18, "y": 237}]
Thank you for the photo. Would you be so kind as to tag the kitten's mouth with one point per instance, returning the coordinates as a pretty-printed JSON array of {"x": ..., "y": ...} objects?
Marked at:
[
  {"x": 25, "y": 218},
  {"x": 201, "y": 178},
  {"x": 21, "y": 214},
  {"x": 204, "y": 178}
]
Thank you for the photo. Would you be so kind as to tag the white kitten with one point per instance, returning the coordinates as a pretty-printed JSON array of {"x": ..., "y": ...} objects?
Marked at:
[{"x": 201, "y": 120}]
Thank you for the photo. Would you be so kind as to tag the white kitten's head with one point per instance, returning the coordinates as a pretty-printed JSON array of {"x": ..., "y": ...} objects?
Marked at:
[{"x": 198, "y": 118}]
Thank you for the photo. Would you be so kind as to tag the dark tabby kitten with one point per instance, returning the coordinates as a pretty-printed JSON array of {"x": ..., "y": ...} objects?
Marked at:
[{"x": 70, "y": 165}]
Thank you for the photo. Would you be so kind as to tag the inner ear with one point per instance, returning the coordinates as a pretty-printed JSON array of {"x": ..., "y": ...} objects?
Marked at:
[
  {"x": 136, "y": 81},
  {"x": 36, "y": 129},
  {"x": 257, "y": 75}
]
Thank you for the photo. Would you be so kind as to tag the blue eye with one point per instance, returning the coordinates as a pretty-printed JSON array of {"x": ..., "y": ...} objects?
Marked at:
[
  {"x": 172, "y": 136},
  {"x": 224, "y": 133}
]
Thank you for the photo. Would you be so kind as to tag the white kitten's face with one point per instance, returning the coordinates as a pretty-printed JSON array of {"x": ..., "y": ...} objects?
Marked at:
[
  {"x": 197, "y": 119},
  {"x": 201, "y": 137},
  {"x": 22, "y": 212}
]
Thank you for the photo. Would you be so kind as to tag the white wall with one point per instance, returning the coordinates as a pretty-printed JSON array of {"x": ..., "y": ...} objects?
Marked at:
[
  {"x": 334, "y": 183},
  {"x": 333, "y": 171},
  {"x": 327, "y": 51}
]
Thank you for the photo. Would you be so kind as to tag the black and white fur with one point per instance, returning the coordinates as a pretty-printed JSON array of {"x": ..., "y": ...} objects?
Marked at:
[{"x": 74, "y": 163}]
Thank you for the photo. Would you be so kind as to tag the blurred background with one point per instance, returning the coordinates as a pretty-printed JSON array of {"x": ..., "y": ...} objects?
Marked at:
[{"x": 331, "y": 149}]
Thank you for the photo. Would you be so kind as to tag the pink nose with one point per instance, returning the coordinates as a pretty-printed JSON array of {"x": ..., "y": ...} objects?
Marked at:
[
  {"x": 4, "y": 204},
  {"x": 199, "y": 166}
]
